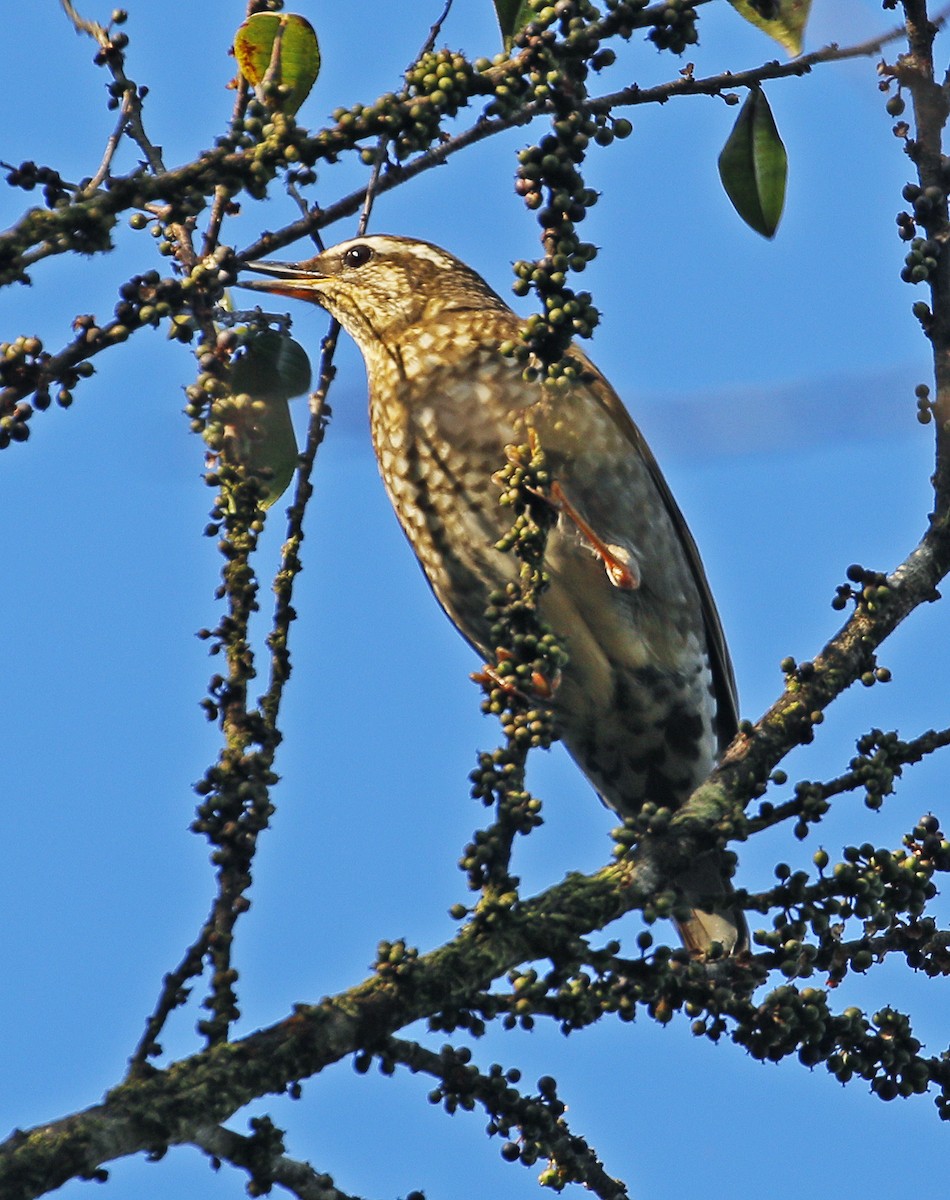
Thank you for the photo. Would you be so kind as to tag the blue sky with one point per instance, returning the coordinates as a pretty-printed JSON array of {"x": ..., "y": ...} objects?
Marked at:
[{"x": 775, "y": 381}]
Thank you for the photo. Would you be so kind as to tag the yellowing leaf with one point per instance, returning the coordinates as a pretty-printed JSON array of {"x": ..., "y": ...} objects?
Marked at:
[
  {"x": 783, "y": 20},
  {"x": 753, "y": 166},
  {"x": 279, "y": 56}
]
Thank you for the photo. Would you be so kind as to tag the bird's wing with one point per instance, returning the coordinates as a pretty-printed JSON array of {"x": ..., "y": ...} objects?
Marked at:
[{"x": 724, "y": 681}]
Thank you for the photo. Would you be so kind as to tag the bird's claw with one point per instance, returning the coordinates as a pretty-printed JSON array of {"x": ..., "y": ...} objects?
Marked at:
[
  {"x": 542, "y": 688},
  {"x": 620, "y": 573}
]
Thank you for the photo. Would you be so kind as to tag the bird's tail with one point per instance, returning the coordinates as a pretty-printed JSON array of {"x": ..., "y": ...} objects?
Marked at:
[{"x": 720, "y": 921}]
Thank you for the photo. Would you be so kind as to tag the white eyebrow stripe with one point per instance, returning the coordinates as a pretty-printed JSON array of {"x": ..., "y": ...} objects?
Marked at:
[
  {"x": 434, "y": 256},
  {"x": 382, "y": 243}
]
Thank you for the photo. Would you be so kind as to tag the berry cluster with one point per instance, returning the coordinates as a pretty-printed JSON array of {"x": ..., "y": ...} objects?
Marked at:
[
  {"x": 526, "y": 671},
  {"x": 675, "y": 27},
  {"x": 925, "y": 407},
  {"x": 214, "y": 360},
  {"x": 148, "y": 299},
  {"x": 550, "y": 181},
  {"x": 623, "y": 17},
  {"x": 552, "y": 167},
  {"x": 437, "y": 86},
  {"x": 21, "y": 368},
  {"x": 864, "y": 586},
  {"x": 395, "y": 960},
  {"x": 921, "y": 261},
  {"x": 25, "y": 367},
  {"x": 27, "y": 175}
]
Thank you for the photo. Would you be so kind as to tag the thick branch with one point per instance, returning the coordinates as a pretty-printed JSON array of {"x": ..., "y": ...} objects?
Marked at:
[
  {"x": 169, "y": 1107},
  {"x": 847, "y": 656}
]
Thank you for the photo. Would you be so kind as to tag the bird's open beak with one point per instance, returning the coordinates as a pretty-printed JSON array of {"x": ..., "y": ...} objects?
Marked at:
[{"x": 297, "y": 280}]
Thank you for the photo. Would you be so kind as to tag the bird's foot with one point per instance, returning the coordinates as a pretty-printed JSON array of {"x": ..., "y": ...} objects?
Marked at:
[
  {"x": 620, "y": 571},
  {"x": 542, "y": 688}
]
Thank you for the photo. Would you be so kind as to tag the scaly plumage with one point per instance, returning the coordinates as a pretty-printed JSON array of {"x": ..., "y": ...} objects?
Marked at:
[{"x": 647, "y": 700}]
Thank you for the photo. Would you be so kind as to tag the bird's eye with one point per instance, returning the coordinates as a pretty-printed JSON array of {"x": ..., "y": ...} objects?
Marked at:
[{"x": 357, "y": 255}]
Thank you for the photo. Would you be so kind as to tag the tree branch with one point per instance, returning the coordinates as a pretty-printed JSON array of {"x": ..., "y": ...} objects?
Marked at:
[
  {"x": 267, "y": 1166},
  {"x": 167, "y": 1107},
  {"x": 544, "y": 1131}
]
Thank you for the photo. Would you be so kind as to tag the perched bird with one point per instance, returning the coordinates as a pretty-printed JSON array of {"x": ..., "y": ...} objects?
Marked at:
[{"x": 647, "y": 700}]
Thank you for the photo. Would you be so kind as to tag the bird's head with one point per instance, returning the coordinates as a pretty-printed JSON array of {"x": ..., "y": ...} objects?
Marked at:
[{"x": 380, "y": 287}]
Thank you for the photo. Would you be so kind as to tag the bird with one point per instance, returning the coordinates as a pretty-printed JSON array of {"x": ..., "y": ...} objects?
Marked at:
[{"x": 647, "y": 700}]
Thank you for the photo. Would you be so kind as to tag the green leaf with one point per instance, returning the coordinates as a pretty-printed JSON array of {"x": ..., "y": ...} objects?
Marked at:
[
  {"x": 279, "y": 56},
  {"x": 783, "y": 20},
  {"x": 272, "y": 364},
  {"x": 753, "y": 166},
  {"x": 512, "y": 16},
  {"x": 272, "y": 369}
]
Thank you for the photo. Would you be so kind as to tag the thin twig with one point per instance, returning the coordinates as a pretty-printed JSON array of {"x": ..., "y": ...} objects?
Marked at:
[
  {"x": 290, "y": 564},
  {"x": 436, "y": 29},
  {"x": 714, "y": 85},
  {"x": 133, "y": 123},
  {"x": 575, "y": 1160},
  {"x": 380, "y": 156},
  {"x": 172, "y": 996},
  {"x": 298, "y": 1178},
  {"x": 112, "y": 145},
  {"x": 222, "y": 195},
  {"x": 372, "y": 186},
  {"x": 93, "y": 28},
  {"x": 304, "y": 208},
  {"x": 903, "y": 755}
]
